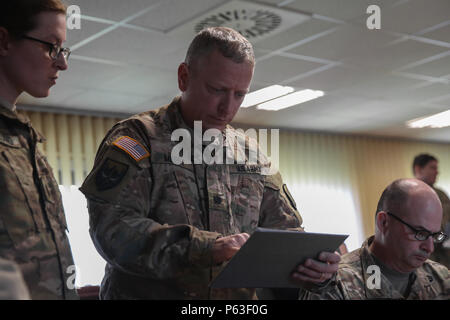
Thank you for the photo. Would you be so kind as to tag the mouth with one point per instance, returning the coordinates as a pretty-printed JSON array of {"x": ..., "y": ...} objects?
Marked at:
[
  {"x": 219, "y": 119},
  {"x": 421, "y": 258},
  {"x": 53, "y": 79}
]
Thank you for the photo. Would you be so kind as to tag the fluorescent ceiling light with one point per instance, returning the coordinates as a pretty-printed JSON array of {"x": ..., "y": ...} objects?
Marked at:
[
  {"x": 291, "y": 100},
  {"x": 265, "y": 94},
  {"x": 439, "y": 120}
]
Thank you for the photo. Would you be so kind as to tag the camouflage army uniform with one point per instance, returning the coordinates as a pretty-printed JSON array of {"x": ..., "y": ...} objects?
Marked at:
[
  {"x": 32, "y": 222},
  {"x": 156, "y": 222},
  {"x": 429, "y": 282},
  {"x": 441, "y": 253},
  {"x": 12, "y": 285}
]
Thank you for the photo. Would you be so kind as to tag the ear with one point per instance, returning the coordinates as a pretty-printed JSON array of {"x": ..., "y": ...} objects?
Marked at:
[
  {"x": 381, "y": 221},
  {"x": 5, "y": 41},
  {"x": 183, "y": 77},
  {"x": 416, "y": 170}
]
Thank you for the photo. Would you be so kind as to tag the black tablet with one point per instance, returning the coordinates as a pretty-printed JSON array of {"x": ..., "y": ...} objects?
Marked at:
[{"x": 269, "y": 256}]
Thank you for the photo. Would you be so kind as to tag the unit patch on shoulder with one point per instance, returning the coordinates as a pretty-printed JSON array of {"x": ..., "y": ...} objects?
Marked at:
[
  {"x": 110, "y": 174},
  {"x": 132, "y": 147}
]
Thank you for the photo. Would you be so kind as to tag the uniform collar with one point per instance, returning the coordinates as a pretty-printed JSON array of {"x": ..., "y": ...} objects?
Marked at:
[
  {"x": 387, "y": 290},
  {"x": 5, "y": 112},
  {"x": 177, "y": 118}
]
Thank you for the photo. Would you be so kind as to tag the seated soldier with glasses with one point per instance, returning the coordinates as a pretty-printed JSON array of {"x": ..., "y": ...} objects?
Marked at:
[{"x": 394, "y": 264}]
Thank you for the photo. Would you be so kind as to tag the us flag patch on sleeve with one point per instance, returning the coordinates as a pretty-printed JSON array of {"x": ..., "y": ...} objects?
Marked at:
[{"x": 132, "y": 147}]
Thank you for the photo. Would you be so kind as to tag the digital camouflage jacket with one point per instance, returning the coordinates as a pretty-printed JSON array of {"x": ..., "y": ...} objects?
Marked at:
[
  {"x": 32, "y": 221},
  {"x": 155, "y": 222}
]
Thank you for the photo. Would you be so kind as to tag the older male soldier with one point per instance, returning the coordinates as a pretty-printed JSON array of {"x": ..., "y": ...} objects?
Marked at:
[
  {"x": 394, "y": 263},
  {"x": 166, "y": 229},
  {"x": 425, "y": 168}
]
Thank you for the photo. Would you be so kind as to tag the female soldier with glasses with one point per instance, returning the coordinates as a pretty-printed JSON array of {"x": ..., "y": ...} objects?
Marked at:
[{"x": 32, "y": 221}]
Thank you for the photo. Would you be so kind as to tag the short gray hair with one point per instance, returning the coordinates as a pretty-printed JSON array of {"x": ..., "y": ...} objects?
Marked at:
[{"x": 230, "y": 43}]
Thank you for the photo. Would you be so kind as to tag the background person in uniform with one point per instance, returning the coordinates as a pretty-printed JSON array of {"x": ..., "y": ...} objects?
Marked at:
[
  {"x": 32, "y": 221},
  {"x": 408, "y": 222},
  {"x": 425, "y": 168},
  {"x": 165, "y": 229},
  {"x": 12, "y": 285}
]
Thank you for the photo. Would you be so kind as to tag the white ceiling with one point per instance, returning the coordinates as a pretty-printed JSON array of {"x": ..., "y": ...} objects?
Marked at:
[{"x": 126, "y": 54}]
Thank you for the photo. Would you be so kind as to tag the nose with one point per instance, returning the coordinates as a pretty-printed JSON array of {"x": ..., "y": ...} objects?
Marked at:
[
  {"x": 226, "y": 105},
  {"x": 428, "y": 245},
  {"x": 61, "y": 63}
]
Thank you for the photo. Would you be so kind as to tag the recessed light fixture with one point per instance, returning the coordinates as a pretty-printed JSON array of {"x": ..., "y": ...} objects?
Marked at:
[
  {"x": 265, "y": 94},
  {"x": 290, "y": 100},
  {"x": 438, "y": 120}
]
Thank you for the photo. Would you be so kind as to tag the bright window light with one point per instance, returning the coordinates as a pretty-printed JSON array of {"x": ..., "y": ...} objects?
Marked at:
[
  {"x": 318, "y": 214},
  {"x": 439, "y": 120},
  {"x": 265, "y": 94},
  {"x": 291, "y": 100},
  {"x": 90, "y": 266}
]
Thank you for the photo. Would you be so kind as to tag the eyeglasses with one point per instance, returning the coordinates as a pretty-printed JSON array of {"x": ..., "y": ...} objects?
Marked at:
[
  {"x": 422, "y": 234},
  {"x": 54, "y": 50}
]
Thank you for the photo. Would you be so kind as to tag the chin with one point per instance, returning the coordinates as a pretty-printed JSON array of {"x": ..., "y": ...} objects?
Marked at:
[
  {"x": 39, "y": 93},
  {"x": 416, "y": 263}
]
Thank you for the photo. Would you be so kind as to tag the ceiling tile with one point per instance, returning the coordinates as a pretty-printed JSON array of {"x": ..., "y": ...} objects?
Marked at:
[
  {"x": 338, "y": 9},
  {"x": 415, "y": 15},
  {"x": 395, "y": 56},
  {"x": 87, "y": 29},
  {"x": 381, "y": 86},
  {"x": 335, "y": 78},
  {"x": 300, "y": 32},
  {"x": 276, "y": 69},
  {"x": 424, "y": 94},
  {"x": 345, "y": 43},
  {"x": 116, "y": 10},
  {"x": 137, "y": 47},
  {"x": 437, "y": 68},
  {"x": 441, "y": 34},
  {"x": 76, "y": 75},
  {"x": 172, "y": 12},
  {"x": 144, "y": 82}
]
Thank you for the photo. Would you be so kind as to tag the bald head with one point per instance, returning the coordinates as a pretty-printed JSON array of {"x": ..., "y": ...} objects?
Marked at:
[
  {"x": 406, "y": 205},
  {"x": 406, "y": 197}
]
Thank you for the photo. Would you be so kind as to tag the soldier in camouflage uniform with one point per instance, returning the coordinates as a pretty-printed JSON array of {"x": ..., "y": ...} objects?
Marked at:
[
  {"x": 166, "y": 229},
  {"x": 393, "y": 264},
  {"x": 32, "y": 222},
  {"x": 425, "y": 168}
]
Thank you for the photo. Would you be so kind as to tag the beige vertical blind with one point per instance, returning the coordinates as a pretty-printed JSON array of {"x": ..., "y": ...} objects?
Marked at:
[{"x": 71, "y": 142}]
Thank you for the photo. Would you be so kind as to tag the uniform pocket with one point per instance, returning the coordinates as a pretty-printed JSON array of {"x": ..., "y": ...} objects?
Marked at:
[{"x": 247, "y": 193}]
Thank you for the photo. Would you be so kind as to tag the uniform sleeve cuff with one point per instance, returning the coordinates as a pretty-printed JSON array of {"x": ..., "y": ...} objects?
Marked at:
[{"x": 200, "y": 248}]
